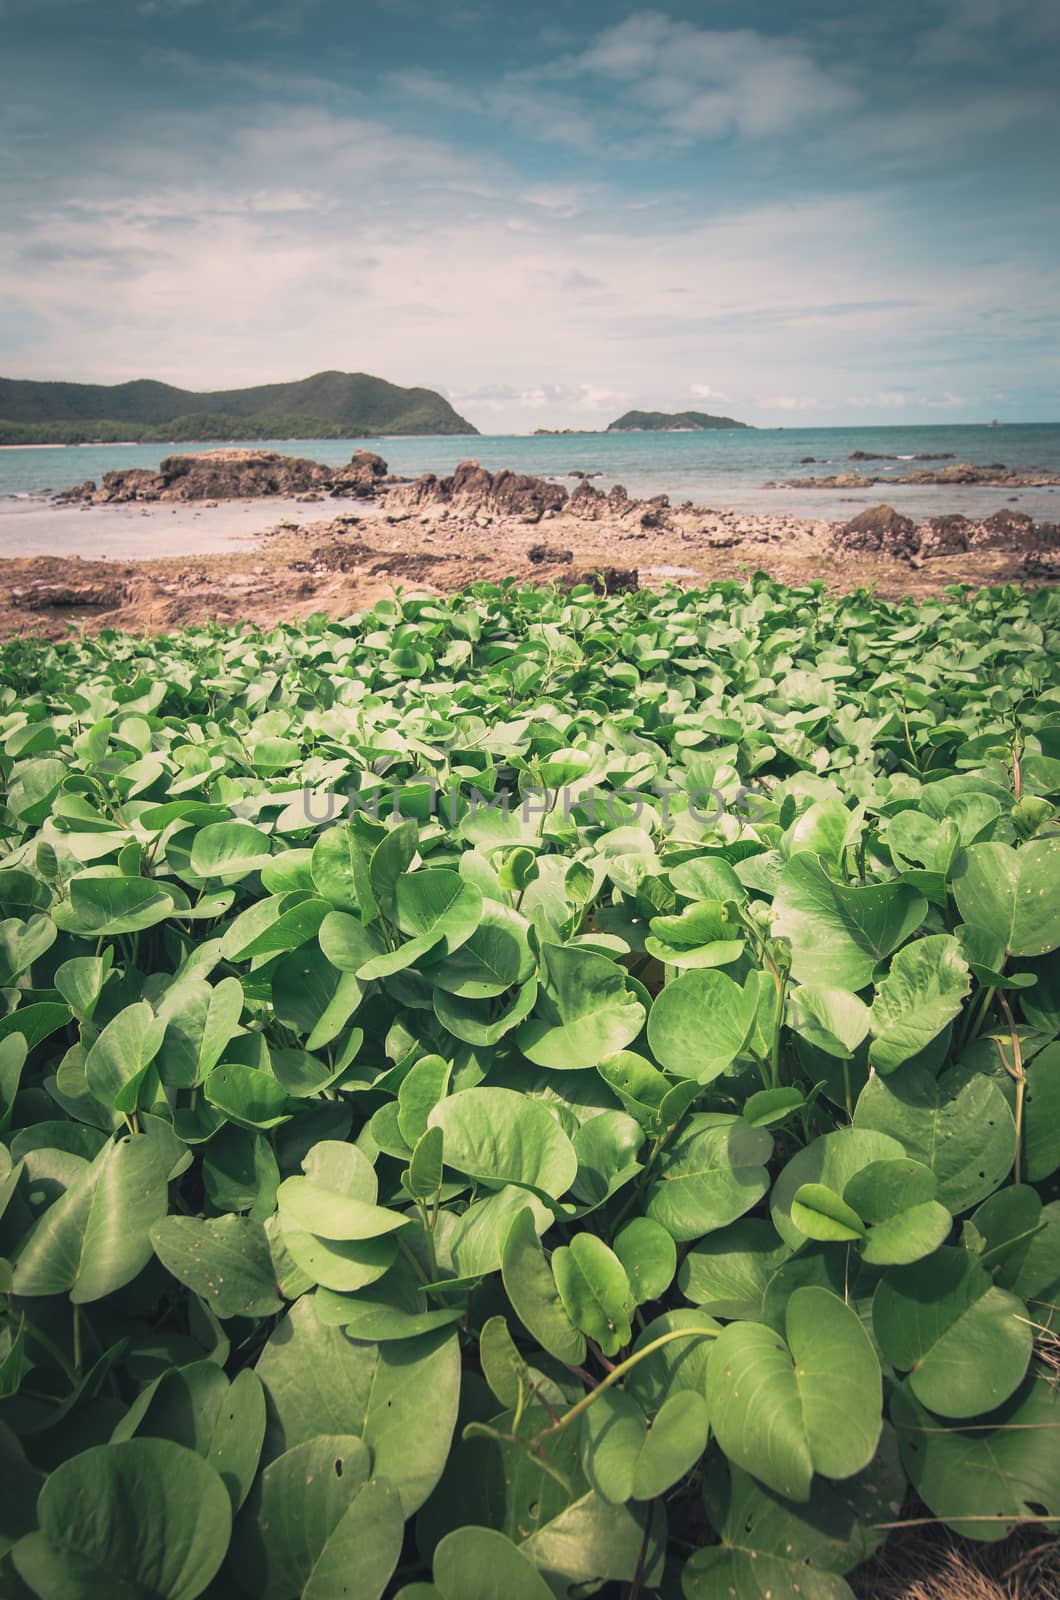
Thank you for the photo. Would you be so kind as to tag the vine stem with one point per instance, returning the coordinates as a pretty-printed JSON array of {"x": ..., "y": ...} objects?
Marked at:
[
  {"x": 638, "y": 1574},
  {"x": 77, "y": 1339},
  {"x": 1019, "y": 1077},
  {"x": 617, "y": 1374}
]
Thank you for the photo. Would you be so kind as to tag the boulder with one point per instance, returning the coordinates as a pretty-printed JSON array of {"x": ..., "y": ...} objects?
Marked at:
[
  {"x": 1005, "y": 530},
  {"x": 541, "y": 554},
  {"x": 945, "y": 536},
  {"x": 880, "y": 529}
]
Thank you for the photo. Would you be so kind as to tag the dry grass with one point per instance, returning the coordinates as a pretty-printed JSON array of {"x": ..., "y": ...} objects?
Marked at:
[{"x": 932, "y": 1564}]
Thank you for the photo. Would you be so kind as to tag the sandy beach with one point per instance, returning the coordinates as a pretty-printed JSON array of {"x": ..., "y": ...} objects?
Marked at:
[{"x": 264, "y": 559}]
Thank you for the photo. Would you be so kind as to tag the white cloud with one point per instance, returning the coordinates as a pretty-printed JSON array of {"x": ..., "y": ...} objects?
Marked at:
[
  {"x": 706, "y": 82},
  {"x": 788, "y": 402},
  {"x": 703, "y": 391}
]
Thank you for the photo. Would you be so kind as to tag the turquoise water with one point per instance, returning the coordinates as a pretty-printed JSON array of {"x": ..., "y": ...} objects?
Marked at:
[{"x": 718, "y": 469}]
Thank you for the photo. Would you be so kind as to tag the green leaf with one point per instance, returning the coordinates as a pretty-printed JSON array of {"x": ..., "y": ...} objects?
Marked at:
[
  {"x": 584, "y": 1013},
  {"x": 229, "y": 850},
  {"x": 147, "y": 1515},
  {"x": 595, "y": 1291},
  {"x": 965, "y": 1343},
  {"x": 400, "y": 1398},
  {"x": 314, "y": 1518},
  {"x": 626, "y": 1459},
  {"x": 982, "y": 1480},
  {"x": 843, "y": 931},
  {"x": 498, "y": 1136},
  {"x": 921, "y": 993},
  {"x": 21, "y": 942},
  {"x": 896, "y": 1199},
  {"x": 727, "y": 1272},
  {"x": 249, "y": 1095},
  {"x": 103, "y": 907},
  {"x": 647, "y": 1252},
  {"x": 494, "y": 958},
  {"x": 1013, "y": 893},
  {"x": 821, "y": 1391},
  {"x": 94, "y": 1239},
  {"x": 820, "y": 1213},
  {"x": 479, "y": 1564},
  {"x": 711, "y": 1174},
  {"x": 531, "y": 1288},
  {"x": 769, "y": 1544},
  {"x": 117, "y": 1063},
  {"x": 700, "y": 1023},
  {"x": 831, "y": 1020},
  {"x": 967, "y": 1137},
  {"x": 224, "y": 1260},
  {"x": 832, "y": 1160},
  {"x": 197, "y": 1407}
]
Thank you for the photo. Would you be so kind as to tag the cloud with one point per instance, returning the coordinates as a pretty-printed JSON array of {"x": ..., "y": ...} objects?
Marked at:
[
  {"x": 703, "y": 391},
  {"x": 707, "y": 82},
  {"x": 788, "y": 402}
]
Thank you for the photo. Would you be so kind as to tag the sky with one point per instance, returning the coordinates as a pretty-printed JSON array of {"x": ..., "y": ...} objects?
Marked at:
[{"x": 794, "y": 212}]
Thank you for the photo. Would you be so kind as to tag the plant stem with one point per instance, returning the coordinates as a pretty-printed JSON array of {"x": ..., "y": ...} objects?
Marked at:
[
  {"x": 77, "y": 1339},
  {"x": 1019, "y": 1077},
  {"x": 642, "y": 1556},
  {"x": 618, "y": 1373}
]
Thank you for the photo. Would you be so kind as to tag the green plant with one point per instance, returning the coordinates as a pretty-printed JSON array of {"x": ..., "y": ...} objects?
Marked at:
[{"x": 404, "y": 1192}]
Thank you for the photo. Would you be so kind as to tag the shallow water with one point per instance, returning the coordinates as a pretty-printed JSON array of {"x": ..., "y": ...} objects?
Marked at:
[{"x": 724, "y": 468}]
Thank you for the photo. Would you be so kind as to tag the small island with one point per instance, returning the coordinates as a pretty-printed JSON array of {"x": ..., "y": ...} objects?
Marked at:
[
  {"x": 671, "y": 422},
  {"x": 651, "y": 422}
]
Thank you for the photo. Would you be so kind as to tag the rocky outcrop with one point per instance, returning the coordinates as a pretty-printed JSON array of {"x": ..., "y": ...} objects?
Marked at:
[
  {"x": 234, "y": 475},
  {"x": 472, "y": 488},
  {"x": 69, "y": 596},
  {"x": 880, "y": 455},
  {"x": 879, "y": 529},
  {"x": 996, "y": 476},
  {"x": 945, "y": 536}
]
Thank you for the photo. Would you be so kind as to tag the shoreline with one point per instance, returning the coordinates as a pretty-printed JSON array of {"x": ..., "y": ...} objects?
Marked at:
[{"x": 267, "y": 559}]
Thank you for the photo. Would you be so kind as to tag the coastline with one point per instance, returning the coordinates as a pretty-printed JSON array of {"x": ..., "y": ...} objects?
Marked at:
[{"x": 265, "y": 559}]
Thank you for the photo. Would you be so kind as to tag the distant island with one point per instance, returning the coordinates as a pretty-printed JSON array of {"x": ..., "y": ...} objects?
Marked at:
[
  {"x": 329, "y": 405},
  {"x": 653, "y": 422},
  {"x": 671, "y": 422}
]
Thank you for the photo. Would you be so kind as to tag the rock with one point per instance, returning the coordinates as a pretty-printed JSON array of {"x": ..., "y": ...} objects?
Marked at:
[
  {"x": 879, "y": 529},
  {"x": 472, "y": 488},
  {"x": 945, "y": 536},
  {"x": 212, "y": 475},
  {"x": 804, "y": 461},
  {"x": 604, "y": 580},
  {"x": 1005, "y": 530},
  {"x": 869, "y": 455},
  {"x": 80, "y": 491},
  {"x": 541, "y": 553},
  {"x": 55, "y": 596},
  {"x": 652, "y": 519}
]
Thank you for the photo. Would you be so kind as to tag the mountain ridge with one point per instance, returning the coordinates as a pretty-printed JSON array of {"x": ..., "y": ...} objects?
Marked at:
[{"x": 329, "y": 404}]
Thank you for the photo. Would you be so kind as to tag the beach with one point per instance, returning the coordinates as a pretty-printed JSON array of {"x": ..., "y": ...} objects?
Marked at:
[{"x": 153, "y": 564}]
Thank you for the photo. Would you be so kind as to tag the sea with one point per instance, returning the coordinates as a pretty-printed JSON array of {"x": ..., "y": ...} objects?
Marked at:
[{"x": 722, "y": 469}]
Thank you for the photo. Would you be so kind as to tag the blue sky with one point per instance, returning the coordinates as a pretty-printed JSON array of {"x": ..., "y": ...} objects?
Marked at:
[{"x": 802, "y": 213}]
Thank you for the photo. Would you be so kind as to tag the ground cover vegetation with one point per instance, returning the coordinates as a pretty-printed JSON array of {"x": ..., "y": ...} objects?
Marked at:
[{"x": 646, "y": 1186}]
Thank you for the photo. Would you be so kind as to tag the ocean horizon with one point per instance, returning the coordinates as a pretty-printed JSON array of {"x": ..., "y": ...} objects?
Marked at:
[{"x": 723, "y": 468}]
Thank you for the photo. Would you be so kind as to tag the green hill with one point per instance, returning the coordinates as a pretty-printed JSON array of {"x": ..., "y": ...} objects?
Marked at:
[
  {"x": 671, "y": 422},
  {"x": 329, "y": 405}
]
